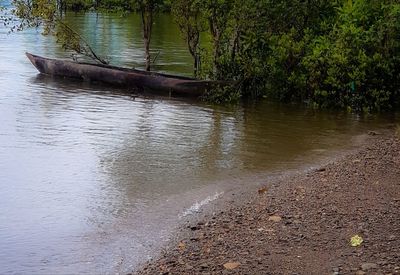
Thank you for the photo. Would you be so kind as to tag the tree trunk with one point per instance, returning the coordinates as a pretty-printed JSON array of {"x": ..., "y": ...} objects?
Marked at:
[
  {"x": 193, "y": 39},
  {"x": 61, "y": 7},
  {"x": 216, "y": 37},
  {"x": 147, "y": 23},
  {"x": 235, "y": 44},
  {"x": 216, "y": 56},
  {"x": 147, "y": 53},
  {"x": 196, "y": 66}
]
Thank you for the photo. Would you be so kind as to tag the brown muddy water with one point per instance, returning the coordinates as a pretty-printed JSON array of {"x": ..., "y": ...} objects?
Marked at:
[{"x": 94, "y": 180}]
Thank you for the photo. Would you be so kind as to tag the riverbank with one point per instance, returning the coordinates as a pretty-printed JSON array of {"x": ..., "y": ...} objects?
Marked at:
[{"x": 303, "y": 224}]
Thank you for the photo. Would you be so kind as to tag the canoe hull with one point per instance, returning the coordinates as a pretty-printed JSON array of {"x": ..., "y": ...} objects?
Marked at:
[{"x": 130, "y": 78}]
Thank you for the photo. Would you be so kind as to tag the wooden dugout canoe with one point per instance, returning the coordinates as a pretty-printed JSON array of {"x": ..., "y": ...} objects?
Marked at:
[{"x": 129, "y": 78}]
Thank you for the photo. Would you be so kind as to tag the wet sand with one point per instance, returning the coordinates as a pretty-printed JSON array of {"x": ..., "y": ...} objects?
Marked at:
[{"x": 303, "y": 223}]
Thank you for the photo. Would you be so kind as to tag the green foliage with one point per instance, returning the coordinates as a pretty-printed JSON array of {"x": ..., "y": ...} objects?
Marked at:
[
  {"x": 34, "y": 14},
  {"x": 78, "y": 5},
  {"x": 47, "y": 14},
  {"x": 222, "y": 94},
  {"x": 5, "y": 18},
  {"x": 111, "y": 5},
  {"x": 327, "y": 53},
  {"x": 330, "y": 54},
  {"x": 356, "y": 63},
  {"x": 188, "y": 16}
]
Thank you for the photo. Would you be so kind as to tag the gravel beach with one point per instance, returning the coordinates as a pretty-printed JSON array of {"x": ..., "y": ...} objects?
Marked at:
[{"x": 342, "y": 218}]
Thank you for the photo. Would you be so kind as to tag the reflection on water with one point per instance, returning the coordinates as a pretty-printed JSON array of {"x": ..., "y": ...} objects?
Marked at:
[
  {"x": 120, "y": 39},
  {"x": 92, "y": 179}
]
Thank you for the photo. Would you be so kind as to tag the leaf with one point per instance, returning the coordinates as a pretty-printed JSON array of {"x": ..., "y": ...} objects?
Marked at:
[
  {"x": 262, "y": 191},
  {"x": 275, "y": 218},
  {"x": 231, "y": 265},
  {"x": 356, "y": 240},
  {"x": 182, "y": 246}
]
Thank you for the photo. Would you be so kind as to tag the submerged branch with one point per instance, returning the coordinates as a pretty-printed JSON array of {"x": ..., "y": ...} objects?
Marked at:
[{"x": 71, "y": 39}]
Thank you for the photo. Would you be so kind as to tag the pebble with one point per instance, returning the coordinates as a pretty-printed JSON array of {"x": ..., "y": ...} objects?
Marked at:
[
  {"x": 368, "y": 266},
  {"x": 194, "y": 228},
  {"x": 325, "y": 217}
]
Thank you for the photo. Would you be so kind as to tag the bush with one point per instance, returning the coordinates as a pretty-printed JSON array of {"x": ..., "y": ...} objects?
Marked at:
[{"x": 348, "y": 59}]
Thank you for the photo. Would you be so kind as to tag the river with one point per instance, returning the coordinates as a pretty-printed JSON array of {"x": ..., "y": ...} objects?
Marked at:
[{"x": 95, "y": 179}]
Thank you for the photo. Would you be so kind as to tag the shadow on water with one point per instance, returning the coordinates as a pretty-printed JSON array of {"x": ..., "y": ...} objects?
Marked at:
[{"x": 78, "y": 85}]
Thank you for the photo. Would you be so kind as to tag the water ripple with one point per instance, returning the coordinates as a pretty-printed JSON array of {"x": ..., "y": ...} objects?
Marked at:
[{"x": 91, "y": 175}]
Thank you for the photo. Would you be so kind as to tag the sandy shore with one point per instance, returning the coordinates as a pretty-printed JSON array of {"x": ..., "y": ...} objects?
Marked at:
[{"x": 303, "y": 224}]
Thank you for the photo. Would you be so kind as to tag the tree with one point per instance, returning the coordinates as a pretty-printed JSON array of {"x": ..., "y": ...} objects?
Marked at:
[
  {"x": 147, "y": 9},
  {"x": 47, "y": 13},
  {"x": 188, "y": 15},
  {"x": 218, "y": 13}
]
